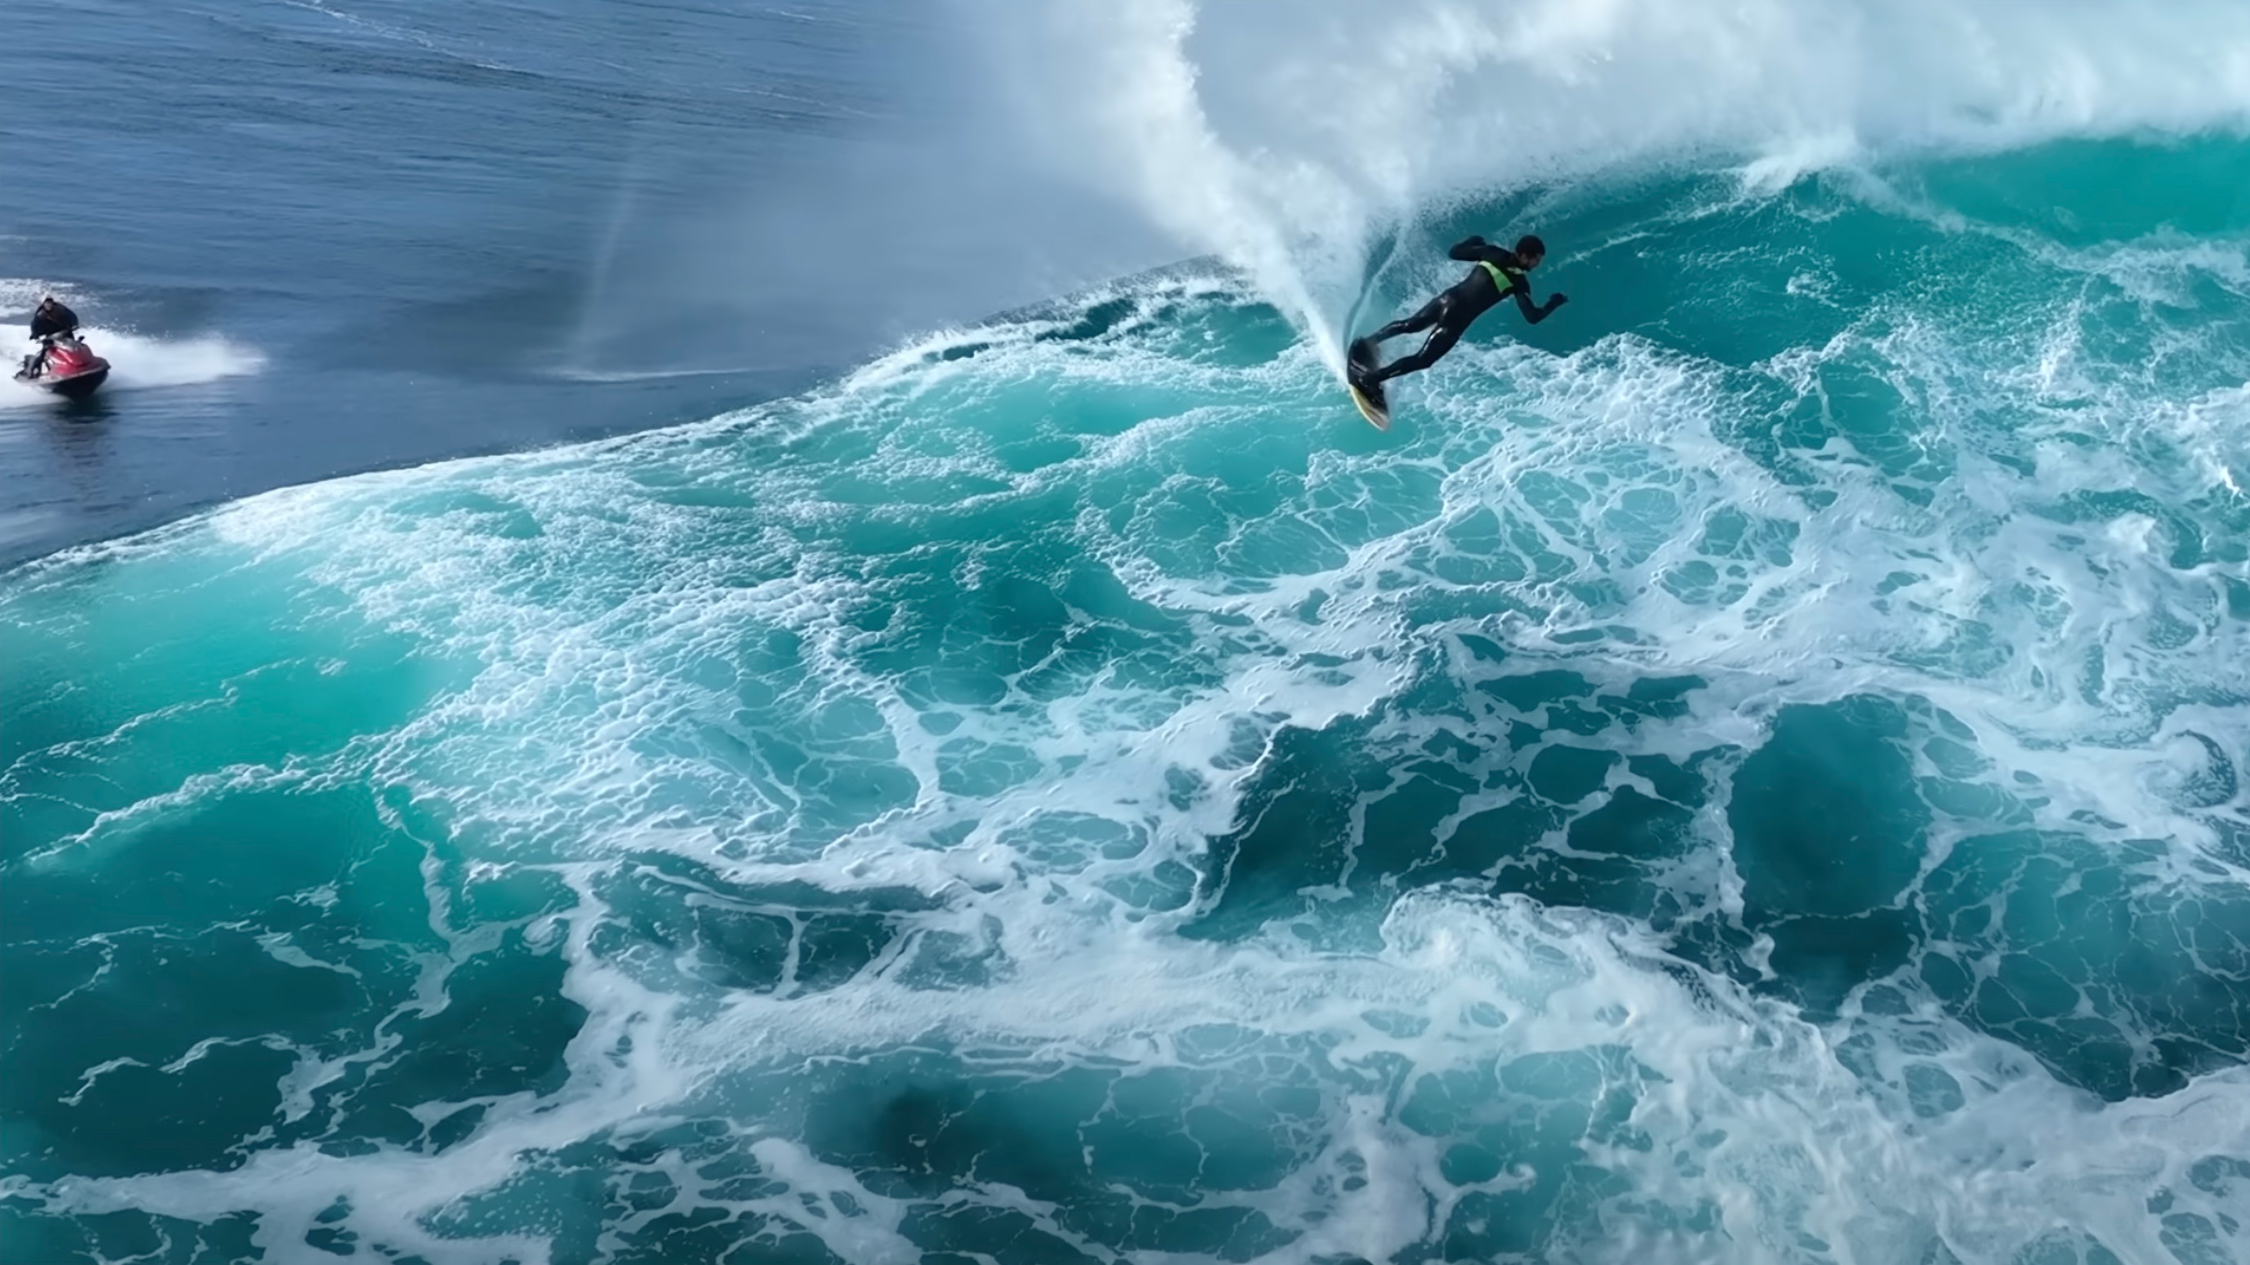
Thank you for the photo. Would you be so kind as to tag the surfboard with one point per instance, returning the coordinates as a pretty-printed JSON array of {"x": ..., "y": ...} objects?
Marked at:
[
  {"x": 1370, "y": 401},
  {"x": 1371, "y": 409}
]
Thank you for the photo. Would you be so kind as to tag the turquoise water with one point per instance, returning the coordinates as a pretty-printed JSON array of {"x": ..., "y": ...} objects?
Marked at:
[{"x": 1750, "y": 770}]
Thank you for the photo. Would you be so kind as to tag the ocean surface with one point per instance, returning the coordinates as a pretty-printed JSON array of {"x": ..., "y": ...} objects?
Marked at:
[{"x": 738, "y": 633}]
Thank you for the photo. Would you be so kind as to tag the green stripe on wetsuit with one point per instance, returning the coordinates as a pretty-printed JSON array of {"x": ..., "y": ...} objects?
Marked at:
[{"x": 1500, "y": 280}]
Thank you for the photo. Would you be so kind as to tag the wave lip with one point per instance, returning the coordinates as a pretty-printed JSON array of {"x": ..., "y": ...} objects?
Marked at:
[{"x": 1286, "y": 136}]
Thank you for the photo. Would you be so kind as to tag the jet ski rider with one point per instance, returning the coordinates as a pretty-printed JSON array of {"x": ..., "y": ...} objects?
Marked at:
[{"x": 51, "y": 320}]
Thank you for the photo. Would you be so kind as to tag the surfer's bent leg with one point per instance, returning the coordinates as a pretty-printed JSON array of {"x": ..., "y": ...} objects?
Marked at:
[
  {"x": 1432, "y": 312},
  {"x": 1439, "y": 342}
]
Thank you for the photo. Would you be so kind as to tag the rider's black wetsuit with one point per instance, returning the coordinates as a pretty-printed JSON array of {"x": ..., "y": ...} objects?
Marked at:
[
  {"x": 1448, "y": 316},
  {"x": 52, "y": 318}
]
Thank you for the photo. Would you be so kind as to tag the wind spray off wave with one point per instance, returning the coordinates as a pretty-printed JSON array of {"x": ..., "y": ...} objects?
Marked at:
[{"x": 1291, "y": 138}]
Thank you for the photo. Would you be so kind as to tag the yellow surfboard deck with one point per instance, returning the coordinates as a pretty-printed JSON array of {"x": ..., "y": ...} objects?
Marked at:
[
  {"x": 1374, "y": 408},
  {"x": 1368, "y": 409}
]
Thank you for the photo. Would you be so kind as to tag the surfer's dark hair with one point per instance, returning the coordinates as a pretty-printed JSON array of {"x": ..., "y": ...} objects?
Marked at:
[{"x": 1529, "y": 245}]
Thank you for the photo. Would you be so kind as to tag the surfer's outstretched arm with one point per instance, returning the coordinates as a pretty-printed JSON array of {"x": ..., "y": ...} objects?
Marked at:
[{"x": 1535, "y": 313}]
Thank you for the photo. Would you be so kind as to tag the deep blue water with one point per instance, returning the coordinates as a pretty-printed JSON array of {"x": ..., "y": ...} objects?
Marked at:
[{"x": 361, "y": 236}]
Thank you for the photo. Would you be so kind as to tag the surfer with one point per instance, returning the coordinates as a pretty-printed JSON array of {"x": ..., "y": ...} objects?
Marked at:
[{"x": 1498, "y": 274}]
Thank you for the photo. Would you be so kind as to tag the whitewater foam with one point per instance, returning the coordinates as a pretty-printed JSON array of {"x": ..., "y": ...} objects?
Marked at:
[{"x": 1073, "y": 779}]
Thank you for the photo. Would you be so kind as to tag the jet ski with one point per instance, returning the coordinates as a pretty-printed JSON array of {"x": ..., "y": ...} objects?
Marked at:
[{"x": 65, "y": 365}]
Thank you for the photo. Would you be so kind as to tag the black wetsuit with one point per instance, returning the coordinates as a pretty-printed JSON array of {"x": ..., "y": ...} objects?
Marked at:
[
  {"x": 1449, "y": 315},
  {"x": 53, "y": 318}
]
